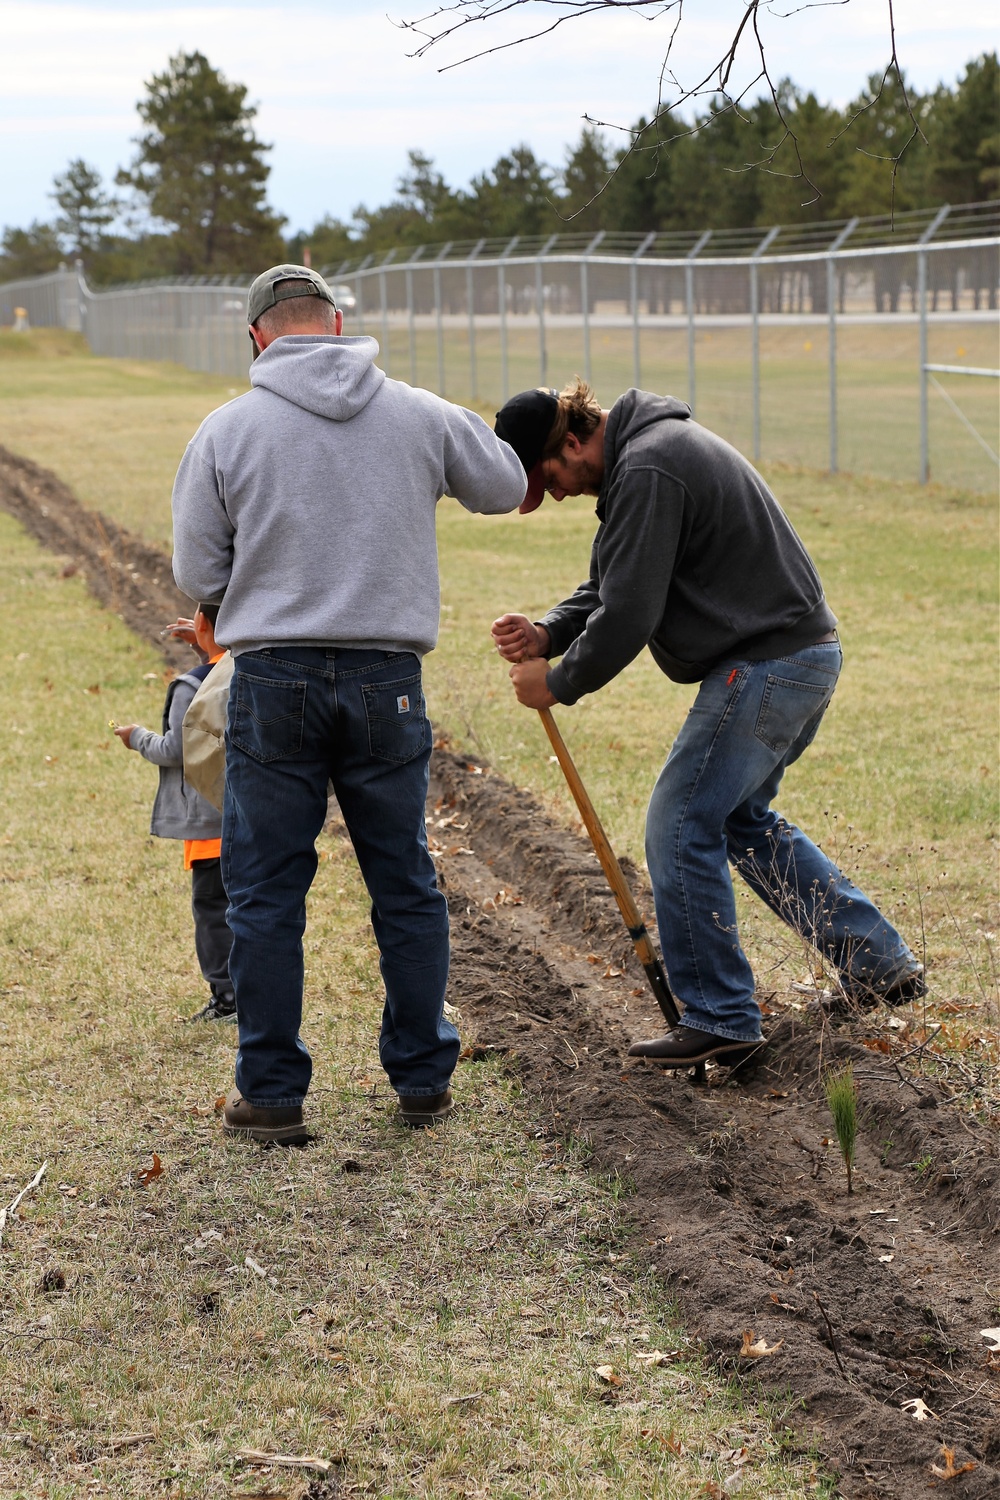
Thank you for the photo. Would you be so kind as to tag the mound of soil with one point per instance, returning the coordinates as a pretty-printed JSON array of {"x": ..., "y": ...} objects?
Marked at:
[{"x": 864, "y": 1304}]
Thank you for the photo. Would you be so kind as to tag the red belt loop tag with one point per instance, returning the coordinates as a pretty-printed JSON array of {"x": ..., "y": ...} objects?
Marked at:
[{"x": 732, "y": 676}]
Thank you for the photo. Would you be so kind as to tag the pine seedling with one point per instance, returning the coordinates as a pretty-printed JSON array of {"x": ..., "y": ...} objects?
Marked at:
[{"x": 842, "y": 1097}]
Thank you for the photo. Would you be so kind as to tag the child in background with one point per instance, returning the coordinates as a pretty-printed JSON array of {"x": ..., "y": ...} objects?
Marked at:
[{"x": 179, "y": 812}]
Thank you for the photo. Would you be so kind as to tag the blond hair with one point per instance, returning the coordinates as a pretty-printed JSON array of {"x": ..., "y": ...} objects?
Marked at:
[{"x": 579, "y": 413}]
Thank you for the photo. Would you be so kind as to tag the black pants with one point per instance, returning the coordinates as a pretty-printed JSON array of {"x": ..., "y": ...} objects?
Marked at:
[{"x": 212, "y": 937}]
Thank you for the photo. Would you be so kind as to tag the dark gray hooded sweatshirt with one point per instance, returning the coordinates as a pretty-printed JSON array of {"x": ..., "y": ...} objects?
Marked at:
[{"x": 693, "y": 558}]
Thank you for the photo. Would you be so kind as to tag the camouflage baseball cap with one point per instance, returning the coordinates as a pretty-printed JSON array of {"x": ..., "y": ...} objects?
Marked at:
[{"x": 281, "y": 282}]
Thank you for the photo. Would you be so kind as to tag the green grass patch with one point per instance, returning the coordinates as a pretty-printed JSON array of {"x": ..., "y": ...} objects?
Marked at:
[
  {"x": 901, "y": 784},
  {"x": 428, "y": 1310},
  {"x": 113, "y": 429}
]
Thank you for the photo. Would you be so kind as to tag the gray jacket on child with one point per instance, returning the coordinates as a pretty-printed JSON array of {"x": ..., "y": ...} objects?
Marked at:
[{"x": 179, "y": 812}]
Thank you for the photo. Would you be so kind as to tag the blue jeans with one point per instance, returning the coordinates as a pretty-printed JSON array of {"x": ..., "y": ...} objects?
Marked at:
[
  {"x": 712, "y": 805},
  {"x": 300, "y": 717}
]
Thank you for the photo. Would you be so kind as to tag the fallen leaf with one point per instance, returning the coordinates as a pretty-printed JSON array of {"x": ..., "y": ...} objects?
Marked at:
[
  {"x": 253, "y": 1265},
  {"x": 950, "y": 1471},
  {"x": 887, "y": 1260},
  {"x": 95, "y": 687},
  {"x": 993, "y": 1334},
  {"x": 919, "y": 1409},
  {"x": 608, "y": 1374},
  {"x": 755, "y": 1348},
  {"x": 146, "y": 1176},
  {"x": 657, "y": 1357}
]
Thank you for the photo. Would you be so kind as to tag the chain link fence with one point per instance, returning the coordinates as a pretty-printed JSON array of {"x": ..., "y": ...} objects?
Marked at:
[{"x": 821, "y": 346}]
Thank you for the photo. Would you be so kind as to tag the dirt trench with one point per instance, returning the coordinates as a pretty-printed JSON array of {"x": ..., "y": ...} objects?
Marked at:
[{"x": 735, "y": 1193}]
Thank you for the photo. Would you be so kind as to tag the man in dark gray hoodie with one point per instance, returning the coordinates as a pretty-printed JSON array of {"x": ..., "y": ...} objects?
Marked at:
[
  {"x": 695, "y": 559},
  {"x": 307, "y": 507}
]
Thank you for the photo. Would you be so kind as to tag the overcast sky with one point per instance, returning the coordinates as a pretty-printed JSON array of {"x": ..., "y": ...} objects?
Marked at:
[{"x": 342, "y": 101}]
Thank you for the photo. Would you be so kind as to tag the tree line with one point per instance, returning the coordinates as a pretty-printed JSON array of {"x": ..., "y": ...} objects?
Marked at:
[{"x": 195, "y": 193}]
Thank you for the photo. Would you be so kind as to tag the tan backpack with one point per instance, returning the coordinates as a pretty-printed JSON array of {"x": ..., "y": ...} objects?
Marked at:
[{"x": 204, "y": 733}]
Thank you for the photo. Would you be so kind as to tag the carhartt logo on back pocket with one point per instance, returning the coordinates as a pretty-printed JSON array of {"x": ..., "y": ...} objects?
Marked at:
[{"x": 403, "y": 704}]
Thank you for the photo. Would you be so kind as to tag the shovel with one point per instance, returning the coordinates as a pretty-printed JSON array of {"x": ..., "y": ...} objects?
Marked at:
[{"x": 641, "y": 940}]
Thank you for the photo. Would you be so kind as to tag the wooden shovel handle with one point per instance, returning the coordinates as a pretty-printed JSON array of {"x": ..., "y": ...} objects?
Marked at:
[{"x": 641, "y": 940}]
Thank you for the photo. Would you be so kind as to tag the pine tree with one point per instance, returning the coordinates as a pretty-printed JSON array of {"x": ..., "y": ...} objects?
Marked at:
[
  {"x": 201, "y": 169},
  {"x": 87, "y": 210}
]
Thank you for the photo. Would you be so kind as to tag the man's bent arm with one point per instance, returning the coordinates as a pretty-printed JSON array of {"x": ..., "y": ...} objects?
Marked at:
[
  {"x": 637, "y": 548},
  {"x": 203, "y": 532},
  {"x": 483, "y": 473}
]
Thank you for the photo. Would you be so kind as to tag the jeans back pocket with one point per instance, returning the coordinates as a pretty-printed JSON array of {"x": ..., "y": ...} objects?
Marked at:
[
  {"x": 788, "y": 708},
  {"x": 267, "y": 717},
  {"x": 398, "y": 728}
]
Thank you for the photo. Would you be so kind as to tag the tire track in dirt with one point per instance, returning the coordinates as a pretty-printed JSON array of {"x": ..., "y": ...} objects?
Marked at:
[{"x": 736, "y": 1196}]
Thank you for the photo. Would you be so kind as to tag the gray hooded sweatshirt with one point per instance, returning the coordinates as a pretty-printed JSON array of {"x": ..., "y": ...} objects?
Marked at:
[{"x": 309, "y": 503}]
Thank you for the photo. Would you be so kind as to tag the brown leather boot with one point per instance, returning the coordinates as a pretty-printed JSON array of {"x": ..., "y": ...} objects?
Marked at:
[
  {"x": 283, "y": 1124},
  {"x": 685, "y": 1046},
  {"x": 422, "y": 1110}
]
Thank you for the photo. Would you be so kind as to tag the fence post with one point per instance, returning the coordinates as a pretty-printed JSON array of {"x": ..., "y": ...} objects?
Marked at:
[
  {"x": 359, "y": 298},
  {"x": 411, "y": 326},
  {"x": 585, "y": 314},
  {"x": 470, "y": 297},
  {"x": 383, "y": 295},
  {"x": 633, "y": 283},
  {"x": 502, "y": 309},
  {"x": 502, "y": 327},
  {"x": 689, "y": 298},
  {"x": 755, "y": 337},
  {"x": 831, "y": 309},
  {"x": 928, "y": 234},
  {"x": 585, "y": 300},
  {"x": 543, "y": 359},
  {"x": 925, "y": 468},
  {"x": 437, "y": 314}
]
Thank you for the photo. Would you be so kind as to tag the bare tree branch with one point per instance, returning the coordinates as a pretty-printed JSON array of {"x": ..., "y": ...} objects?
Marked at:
[{"x": 449, "y": 20}]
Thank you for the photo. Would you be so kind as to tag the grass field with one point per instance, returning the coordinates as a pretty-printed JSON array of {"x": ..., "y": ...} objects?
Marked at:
[
  {"x": 428, "y": 1314},
  {"x": 902, "y": 782}
]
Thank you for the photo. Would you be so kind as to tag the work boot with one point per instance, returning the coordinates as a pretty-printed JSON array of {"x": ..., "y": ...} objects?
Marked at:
[
  {"x": 282, "y": 1124},
  {"x": 901, "y": 989},
  {"x": 422, "y": 1110},
  {"x": 686, "y": 1046}
]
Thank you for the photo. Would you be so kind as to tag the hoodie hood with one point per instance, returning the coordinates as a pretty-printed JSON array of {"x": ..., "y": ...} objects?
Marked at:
[
  {"x": 630, "y": 416},
  {"x": 328, "y": 376},
  {"x": 637, "y": 410}
]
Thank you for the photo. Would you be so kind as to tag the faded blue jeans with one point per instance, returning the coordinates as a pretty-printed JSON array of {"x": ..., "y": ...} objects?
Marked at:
[
  {"x": 712, "y": 805},
  {"x": 300, "y": 717}
]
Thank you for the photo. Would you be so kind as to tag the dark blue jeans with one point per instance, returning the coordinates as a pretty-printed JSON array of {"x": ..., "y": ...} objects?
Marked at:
[
  {"x": 712, "y": 806},
  {"x": 300, "y": 717}
]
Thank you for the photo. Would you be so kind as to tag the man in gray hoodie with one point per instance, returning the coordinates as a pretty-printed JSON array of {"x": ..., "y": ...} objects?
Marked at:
[
  {"x": 695, "y": 559},
  {"x": 307, "y": 507}
]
